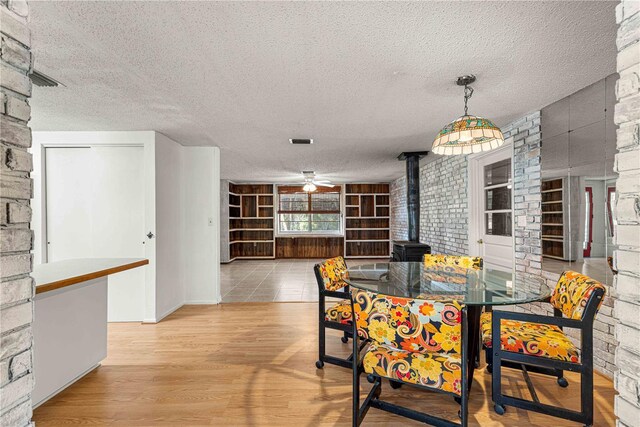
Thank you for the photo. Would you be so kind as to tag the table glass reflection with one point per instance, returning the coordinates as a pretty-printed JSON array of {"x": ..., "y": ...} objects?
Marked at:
[{"x": 472, "y": 287}]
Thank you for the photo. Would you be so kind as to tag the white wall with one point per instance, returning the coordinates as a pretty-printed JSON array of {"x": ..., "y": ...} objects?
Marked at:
[
  {"x": 170, "y": 288},
  {"x": 201, "y": 168},
  {"x": 182, "y": 190}
]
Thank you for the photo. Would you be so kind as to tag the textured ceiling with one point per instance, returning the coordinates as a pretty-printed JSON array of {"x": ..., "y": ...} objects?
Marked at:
[{"x": 365, "y": 80}]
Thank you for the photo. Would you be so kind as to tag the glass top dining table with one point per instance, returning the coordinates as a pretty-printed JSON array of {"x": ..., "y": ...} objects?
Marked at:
[
  {"x": 473, "y": 288},
  {"x": 486, "y": 287}
]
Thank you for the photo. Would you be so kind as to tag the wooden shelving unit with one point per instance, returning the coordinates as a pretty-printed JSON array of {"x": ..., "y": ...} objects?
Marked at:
[
  {"x": 251, "y": 221},
  {"x": 555, "y": 233},
  {"x": 367, "y": 221}
]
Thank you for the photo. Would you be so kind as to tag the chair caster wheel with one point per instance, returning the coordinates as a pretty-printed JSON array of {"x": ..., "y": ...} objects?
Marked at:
[
  {"x": 562, "y": 382},
  {"x": 500, "y": 410},
  {"x": 395, "y": 385},
  {"x": 344, "y": 340},
  {"x": 319, "y": 364},
  {"x": 459, "y": 412},
  {"x": 371, "y": 378},
  {"x": 490, "y": 368}
]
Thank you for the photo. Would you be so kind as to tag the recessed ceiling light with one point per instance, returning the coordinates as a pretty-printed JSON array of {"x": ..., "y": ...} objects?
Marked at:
[{"x": 301, "y": 141}]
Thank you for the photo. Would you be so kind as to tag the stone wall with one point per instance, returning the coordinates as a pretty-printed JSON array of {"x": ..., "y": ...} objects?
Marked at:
[
  {"x": 527, "y": 210},
  {"x": 16, "y": 239},
  {"x": 444, "y": 214},
  {"x": 398, "y": 209},
  {"x": 627, "y": 213}
]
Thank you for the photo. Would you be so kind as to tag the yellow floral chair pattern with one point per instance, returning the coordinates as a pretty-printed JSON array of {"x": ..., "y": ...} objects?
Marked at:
[
  {"x": 533, "y": 339},
  {"x": 412, "y": 340},
  {"x": 333, "y": 272},
  {"x": 435, "y": 260},
  {"x": 570, "y": 296},
  {"x": 340, "y": 312},
  {"x": 572, "y": 292}
]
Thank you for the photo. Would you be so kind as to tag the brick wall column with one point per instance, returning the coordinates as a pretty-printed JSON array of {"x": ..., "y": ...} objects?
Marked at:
[
  {"x": 627, "y": 213},
  {"x": 16, "y": 239}
]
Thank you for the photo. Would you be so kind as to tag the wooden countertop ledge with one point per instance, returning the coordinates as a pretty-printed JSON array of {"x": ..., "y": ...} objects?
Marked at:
[{"x": 56, "y": 275}]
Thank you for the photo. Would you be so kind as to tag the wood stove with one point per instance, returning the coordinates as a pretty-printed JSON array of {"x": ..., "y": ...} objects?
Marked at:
[{"x": 412, "y": 249}]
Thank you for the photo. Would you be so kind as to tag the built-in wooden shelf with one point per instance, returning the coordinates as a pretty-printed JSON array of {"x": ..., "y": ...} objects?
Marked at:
[
  {"x": 251, "y": 221},
  {"x": 554, "y": 217},
  {"x": 367, "y": 217}
]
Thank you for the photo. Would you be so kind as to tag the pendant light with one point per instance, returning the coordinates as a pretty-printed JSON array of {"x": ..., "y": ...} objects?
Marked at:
[{"x": 467, "y": 134}]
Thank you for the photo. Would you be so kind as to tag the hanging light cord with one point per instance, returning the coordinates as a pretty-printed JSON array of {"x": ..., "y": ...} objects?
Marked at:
[{"x": 468, "y": 92}]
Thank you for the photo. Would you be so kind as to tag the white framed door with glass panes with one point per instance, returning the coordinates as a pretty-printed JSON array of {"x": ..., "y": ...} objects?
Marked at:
[{"x": 492, "y": 208}]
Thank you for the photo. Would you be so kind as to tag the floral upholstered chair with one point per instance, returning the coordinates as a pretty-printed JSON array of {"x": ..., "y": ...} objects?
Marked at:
[
  {"x": 463, "y": 261},
  {"x": 411, "y": 341},
  {"x": 539, "y": 341},
  {"x": 330, "y": 276}
]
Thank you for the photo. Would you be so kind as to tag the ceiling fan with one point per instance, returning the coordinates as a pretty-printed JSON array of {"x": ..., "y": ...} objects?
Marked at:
[{"x": 311, "y": 184}]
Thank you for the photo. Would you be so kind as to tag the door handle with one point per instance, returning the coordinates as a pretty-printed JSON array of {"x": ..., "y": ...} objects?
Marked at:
[{"x": 480, "y": 241}]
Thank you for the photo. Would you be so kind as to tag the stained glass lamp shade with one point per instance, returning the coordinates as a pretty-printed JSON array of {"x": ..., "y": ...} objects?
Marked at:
[{"x": 466, "y": 135}]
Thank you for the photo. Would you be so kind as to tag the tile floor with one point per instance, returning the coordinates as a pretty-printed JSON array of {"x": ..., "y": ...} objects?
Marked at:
[
  {"x": 596, "y": 268},
  {"x": 280, "y": 280}
]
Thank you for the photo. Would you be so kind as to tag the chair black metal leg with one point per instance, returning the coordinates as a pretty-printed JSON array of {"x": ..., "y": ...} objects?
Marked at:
[
  {"x": 488, "y": 355},
  {"x": 562, "y": 381},
  {"x": 345, "y": 337},
  {"x": 586, "y": 393},
  {"x": 395, "y": 384},
  {"x": 496, "y": 384},
  {"x": 321, "y": 344}
]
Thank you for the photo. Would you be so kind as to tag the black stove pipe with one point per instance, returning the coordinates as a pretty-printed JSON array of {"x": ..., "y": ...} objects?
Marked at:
[{"x": 413, "y": 192}]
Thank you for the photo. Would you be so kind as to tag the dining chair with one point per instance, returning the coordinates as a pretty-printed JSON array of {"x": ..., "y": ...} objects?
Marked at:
[
  {"x": 412, "y": 341},
  {"x": 453, "y": 264},
  {"x": 538, "y": 343},
  {"x": 464, "y": 261},
  {"x": 330, "y": 276}
]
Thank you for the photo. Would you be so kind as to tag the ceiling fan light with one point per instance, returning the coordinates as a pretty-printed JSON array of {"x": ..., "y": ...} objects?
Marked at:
[{"x": 309, "y": 187}]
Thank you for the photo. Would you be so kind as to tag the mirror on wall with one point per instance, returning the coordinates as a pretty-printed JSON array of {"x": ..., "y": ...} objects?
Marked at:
[{"x": 578, "y": 182}]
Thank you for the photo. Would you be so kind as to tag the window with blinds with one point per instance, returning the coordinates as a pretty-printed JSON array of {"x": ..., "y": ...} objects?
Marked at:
[{"x": 313, "y": 213}]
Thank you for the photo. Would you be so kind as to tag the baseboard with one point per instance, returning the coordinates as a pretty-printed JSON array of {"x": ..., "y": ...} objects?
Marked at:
[
  {"x": 201, "y": 302},
  {"x": 163, "y": 315},
  {"x": 168, "y": 312}
]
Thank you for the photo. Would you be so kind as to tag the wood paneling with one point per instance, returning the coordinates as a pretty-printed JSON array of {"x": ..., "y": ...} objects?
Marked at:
[
  {"x": 309, "y": 247},
  {"x": 251, "y": 188},
  {"x": 368, "y": 249},
  {"x": 290, "y": 189},
  {"x": 252, "y": 364},
  {"x": 367, "y": 188},
  {"x": 249, "y": 206},
  {"x": 367, "y": 205}
]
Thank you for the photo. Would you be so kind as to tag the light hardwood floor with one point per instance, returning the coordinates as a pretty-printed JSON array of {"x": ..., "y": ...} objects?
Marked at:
[{"x": 252, "y": 364}]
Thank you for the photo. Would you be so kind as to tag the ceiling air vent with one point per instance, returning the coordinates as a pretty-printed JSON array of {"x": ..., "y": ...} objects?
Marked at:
[
  {"x": 301, "y": 141},
  {"x": 39, "y": 79}
]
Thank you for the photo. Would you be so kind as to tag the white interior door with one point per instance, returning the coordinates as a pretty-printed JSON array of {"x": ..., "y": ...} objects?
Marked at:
[
  {"x": 493, "y": 178},
  {"x": 68, "y": 205},
  {"x": 95, "y": 209}
]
